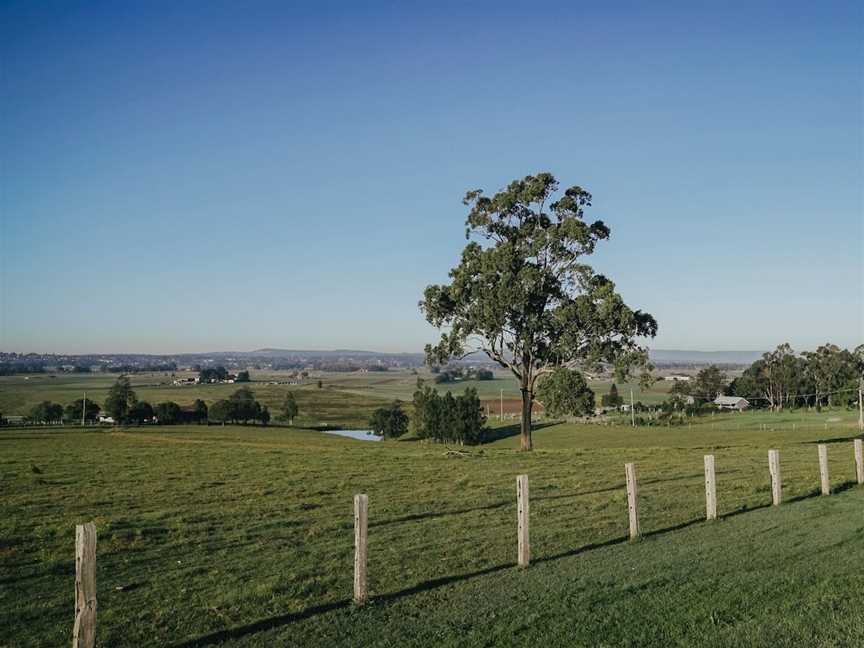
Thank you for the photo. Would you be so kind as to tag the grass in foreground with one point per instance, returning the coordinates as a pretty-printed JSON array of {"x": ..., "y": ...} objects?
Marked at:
[{"x": 244, "y": 536}]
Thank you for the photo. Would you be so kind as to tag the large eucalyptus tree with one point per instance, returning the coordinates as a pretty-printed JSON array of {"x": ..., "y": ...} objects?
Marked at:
[{"x": 523, "y": 295}]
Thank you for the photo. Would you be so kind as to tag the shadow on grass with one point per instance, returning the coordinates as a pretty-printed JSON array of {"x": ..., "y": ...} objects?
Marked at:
[
  {"x": 491, "y": 506},
  {"x": 507, "y": 431},
  {"x": 536, "y": 498},
  {"x": 845, "y": 439},
  {"x": 287, "y": 619},
  {"x": 580, "y": 550},
  {"x": 816, "y": 492},
  {"x": 272, "y": 623}
]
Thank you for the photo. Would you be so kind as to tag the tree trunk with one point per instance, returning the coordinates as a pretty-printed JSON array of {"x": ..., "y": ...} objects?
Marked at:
[{"x": 527, "y": 400}]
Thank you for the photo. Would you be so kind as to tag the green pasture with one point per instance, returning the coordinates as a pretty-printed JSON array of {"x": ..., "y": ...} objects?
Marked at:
[
  {"x": 317, "y": 406},
  {"x": 242, "y": 536}
]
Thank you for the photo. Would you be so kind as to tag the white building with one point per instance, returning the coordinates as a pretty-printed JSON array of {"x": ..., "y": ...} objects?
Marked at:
[{"x": 732, "y": 403}]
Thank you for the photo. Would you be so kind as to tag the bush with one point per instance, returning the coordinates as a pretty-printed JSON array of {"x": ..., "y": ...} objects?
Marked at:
[
  {"x": 46, "y": 412},
  {"x": 168, "y": 413},
  {"x": 390, "y": 422}
]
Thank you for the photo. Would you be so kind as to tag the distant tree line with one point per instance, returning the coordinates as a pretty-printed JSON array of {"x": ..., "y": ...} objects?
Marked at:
[
  {"x": 9, "y": 369},
  {"x": 12, "y": 369},
  {"x": 240, "y": 407},
  {"x": 345, "y": 367},
  {"x": 133, "y": 369},
  {"x": 452, "y": 374},
  {"x": 782, "y": 379},
  {"x": 209, "y": 374}
]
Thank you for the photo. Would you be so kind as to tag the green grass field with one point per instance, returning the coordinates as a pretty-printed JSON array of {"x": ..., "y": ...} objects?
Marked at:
[{"x": 242, "y": 536}]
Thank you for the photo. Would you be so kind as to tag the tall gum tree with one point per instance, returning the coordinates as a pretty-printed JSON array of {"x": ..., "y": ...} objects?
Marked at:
[{"x": 522, "y": 295}]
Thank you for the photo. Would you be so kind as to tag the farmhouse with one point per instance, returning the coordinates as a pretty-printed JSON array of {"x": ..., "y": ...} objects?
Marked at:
[
  {"x": 675, "y": 377},
  {"x": 732, "y": 403}
]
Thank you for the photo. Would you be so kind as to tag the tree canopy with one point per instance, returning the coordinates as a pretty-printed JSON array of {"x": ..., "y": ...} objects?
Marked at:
[
  {"x": 390, "y": 421},
  {"x": 75, "y": 410},
  {"x": 290, "y": 408},
  {"x": 240, "y": 407},
  {"x": 448, "y": 418},
  {"x": 523, "y": 295},
  {"x": 780, "y": 378},
  {"x": 46, "y": 412},
  {"x": 168, "y": 413},
  {"x": 121, "y": 397},
  {"x": 710, "y": 382}
]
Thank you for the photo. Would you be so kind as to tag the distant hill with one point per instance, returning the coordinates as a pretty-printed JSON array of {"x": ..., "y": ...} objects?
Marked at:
[
  {"x": 335, "y": 353},
  {"x": 676, "y": 356}
]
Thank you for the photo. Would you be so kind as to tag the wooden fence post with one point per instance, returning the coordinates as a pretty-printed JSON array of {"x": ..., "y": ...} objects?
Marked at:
[
  {"x": 84, "y": 630},
  {"x": 859, "y": 460},
  {"x": 632, "y": 506},
  {"x": 522, "y": 518},
  {"x": 776, "y": 484},
  {"x": 710, "y": 489},
  {"x": 823, "y": 469},
  {"x": 361, "y": 519}
]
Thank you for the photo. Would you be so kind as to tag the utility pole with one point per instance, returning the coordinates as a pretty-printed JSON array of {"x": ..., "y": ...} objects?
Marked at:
[
  {"x": 501, "y": 417},
  {"x": 84, "y": 408},
  {"x": 632, "y": 410}
]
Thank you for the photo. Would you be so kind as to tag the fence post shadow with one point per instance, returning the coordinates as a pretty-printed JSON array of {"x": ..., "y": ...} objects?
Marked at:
[{"x": 287, "y": 619}]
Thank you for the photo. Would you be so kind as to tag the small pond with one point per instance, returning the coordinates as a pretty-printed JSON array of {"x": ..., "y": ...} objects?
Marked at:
[{"x": 360, "y": 435}]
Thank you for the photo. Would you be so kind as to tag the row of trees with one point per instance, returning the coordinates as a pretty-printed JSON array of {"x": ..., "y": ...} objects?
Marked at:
[
  {"x": 76, "y": 411},
  {"x": 452, "y": 374},
  {"x": 240, "y": 407},
  {"x": 211, "y": 374},
  {"x": 782, "y": 379},
  {"x": 441, "y": 418},
  {"x": 123, "y": 406}
]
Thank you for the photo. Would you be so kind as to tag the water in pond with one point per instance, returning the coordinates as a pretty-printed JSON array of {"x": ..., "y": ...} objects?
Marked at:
[{"x": 360, "y": 435}]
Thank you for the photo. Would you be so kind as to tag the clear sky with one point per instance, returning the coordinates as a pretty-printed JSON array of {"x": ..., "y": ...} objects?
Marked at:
[{"x": 182, "y": 176}]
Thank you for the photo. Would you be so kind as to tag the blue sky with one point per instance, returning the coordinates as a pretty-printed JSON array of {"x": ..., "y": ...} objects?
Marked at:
[{"x": 224, "y": 175}]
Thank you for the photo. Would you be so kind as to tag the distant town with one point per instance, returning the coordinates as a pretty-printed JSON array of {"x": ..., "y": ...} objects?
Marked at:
[{"x": 285, "y": 359}]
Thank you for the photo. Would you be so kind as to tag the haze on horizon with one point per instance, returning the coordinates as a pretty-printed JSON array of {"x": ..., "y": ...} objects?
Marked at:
[{"x": 194, "y": 178}]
